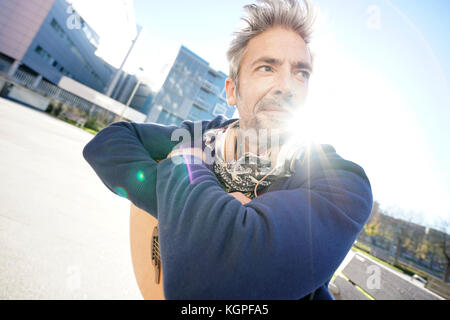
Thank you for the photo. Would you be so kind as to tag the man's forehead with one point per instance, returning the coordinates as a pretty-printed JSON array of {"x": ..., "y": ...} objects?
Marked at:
[{"x": 277, "y": 46}]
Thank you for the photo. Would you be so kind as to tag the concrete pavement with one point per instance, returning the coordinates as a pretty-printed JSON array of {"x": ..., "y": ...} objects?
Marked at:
[
  {"x": 63, "y": 234},
  {"x": 362, "y": 278}
]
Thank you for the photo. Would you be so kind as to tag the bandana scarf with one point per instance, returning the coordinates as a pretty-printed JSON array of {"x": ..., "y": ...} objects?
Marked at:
[{"x": 248, "y": 170}]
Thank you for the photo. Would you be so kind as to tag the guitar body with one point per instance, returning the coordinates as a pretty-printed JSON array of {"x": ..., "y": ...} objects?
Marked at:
[{"x": 147, "y": 270}]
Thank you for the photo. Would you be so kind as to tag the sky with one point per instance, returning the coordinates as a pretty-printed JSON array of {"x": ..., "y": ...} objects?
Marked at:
[{"x": 379, "y": 92}]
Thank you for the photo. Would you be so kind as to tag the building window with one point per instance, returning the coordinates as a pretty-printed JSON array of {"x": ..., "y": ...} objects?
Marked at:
[
  {"x": 167, "y": 118},
  {"x": 57, "y": 28},
  {"x": 210, "y": 77},
  {"x": 60, "y": 31},
  {"x": 44, "y": 54},
  {"x": 48, "y": 58},
  {"x": 202, "y": 96}
]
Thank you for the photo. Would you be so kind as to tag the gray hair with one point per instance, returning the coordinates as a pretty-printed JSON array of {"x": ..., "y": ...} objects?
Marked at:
[{"x": 267, "y": 14}]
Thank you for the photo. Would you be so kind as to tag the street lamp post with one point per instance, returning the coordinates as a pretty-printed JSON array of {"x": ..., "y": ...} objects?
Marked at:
[
  {"x": 113, "y": 83},
  {"x": 136, "y": 87}
]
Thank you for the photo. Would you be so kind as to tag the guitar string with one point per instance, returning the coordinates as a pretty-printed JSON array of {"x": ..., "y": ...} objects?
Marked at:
[{"x": 155, "y": 248}]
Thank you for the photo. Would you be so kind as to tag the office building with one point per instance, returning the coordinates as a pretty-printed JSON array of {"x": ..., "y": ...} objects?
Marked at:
[
  {"x": 48, "y": 39},
  {"x": 124, "y": 87},
  {"x": 142, "y": 98},
  {"x": 192, "y": 91}
]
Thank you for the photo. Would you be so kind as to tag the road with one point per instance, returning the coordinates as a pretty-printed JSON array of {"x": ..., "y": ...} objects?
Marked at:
[
  {"x": 362, "y": 278},
  {"x": 63, "y": 234}
]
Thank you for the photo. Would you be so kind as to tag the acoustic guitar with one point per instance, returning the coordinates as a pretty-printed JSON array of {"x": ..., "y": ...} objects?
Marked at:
[{"x": 145, "y": 254}]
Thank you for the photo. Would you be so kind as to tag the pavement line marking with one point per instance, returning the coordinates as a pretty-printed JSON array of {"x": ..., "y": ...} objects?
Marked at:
[
  {"x": 356, "y": 286},
  {"x": 399, "y": 274}
]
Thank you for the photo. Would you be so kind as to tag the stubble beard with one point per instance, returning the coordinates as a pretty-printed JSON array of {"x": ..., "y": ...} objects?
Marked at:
[
  {"x": 273, "y": 129},
  {"x": 276, "y": 125}
]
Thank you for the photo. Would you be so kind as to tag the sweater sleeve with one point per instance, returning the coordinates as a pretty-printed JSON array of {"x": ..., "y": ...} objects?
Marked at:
[
  {"x": 124, "y": 156},
  {"x": 282, "y": 245}
]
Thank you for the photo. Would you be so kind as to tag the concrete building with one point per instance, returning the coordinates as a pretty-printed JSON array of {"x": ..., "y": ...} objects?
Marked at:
[
  {"x": 124, "y": 87},
  {"x": 143, "y": 97},
  {"x": 48, "y": 52},
  {"x": 191, "y": 91},
  {"x": 48, "y": 39},
  {"x": 19, "y": 23}
]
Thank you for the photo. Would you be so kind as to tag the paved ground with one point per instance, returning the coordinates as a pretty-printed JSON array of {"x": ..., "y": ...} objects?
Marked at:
[
  {"x": 358, "y": 273},
  {"x": 63, "y": 234}
]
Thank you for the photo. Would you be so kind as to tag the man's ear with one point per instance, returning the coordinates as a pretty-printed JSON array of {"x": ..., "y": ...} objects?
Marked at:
[{"x": 230, "y": 88}]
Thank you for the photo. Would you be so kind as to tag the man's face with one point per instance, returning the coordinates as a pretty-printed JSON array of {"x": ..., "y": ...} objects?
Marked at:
[{"x": 273, "y": 80}]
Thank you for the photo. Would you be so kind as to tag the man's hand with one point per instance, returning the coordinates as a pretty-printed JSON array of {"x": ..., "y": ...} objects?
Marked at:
[
  {"x": 199, "y": 153},
  {"x": 241, "y": 197}
]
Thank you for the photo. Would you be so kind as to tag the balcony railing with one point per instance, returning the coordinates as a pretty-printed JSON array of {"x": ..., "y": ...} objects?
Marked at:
[
  {"x": 24, "y": 78},
  {"x": 200, "y": 104},
  {"x": 208, "y": 86}
]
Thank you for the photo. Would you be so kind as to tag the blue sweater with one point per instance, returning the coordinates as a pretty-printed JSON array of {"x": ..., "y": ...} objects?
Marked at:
[{"x": 285, "y": 244}]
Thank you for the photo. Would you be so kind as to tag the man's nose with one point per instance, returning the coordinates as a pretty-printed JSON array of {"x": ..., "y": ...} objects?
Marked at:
[{"x": 284, "y": 86}]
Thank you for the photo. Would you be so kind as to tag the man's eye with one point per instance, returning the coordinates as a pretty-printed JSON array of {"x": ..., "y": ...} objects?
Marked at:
[
  {"x": 304, "y": 74},
  {"x": 265, "y": 68}
]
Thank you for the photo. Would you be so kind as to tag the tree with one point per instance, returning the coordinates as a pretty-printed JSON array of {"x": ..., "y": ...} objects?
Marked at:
[
  {"x": 444, "y": 245},
  {"x": 402, "y": 232},
  {"x": 371, "y": 228}
]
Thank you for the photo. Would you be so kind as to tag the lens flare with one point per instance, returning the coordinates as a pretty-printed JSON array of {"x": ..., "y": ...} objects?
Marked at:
[
  {"x": 120, "y": 191},
  {"x": 140, "y": 176},
  {"x": 302, "y": 127}
]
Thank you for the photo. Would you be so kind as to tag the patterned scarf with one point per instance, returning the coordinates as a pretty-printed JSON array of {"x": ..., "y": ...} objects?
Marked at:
[{"x": 249, "y": 171}]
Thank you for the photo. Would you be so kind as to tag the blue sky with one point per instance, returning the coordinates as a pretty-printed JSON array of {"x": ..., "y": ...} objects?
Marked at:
[{"x": 380, "y": 92}]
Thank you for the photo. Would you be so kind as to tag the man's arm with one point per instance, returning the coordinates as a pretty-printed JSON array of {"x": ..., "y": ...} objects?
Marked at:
[
  {"x": 124, "y": 157},
  {"x": 282, "y": 245}
]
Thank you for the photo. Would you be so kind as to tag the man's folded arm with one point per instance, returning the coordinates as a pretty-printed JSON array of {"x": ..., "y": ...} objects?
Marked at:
[
  {"x": 282, "y": 245},
  {"x": 124, "y": 156}
]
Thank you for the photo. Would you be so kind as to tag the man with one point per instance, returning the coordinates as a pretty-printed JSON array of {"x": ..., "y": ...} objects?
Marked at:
[{"x": 284, "y": 241}]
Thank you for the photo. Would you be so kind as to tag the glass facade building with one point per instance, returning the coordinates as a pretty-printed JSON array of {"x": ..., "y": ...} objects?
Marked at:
[
  {"x": 141, "y": 100},
  {"x": 192, "y": 91}
]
